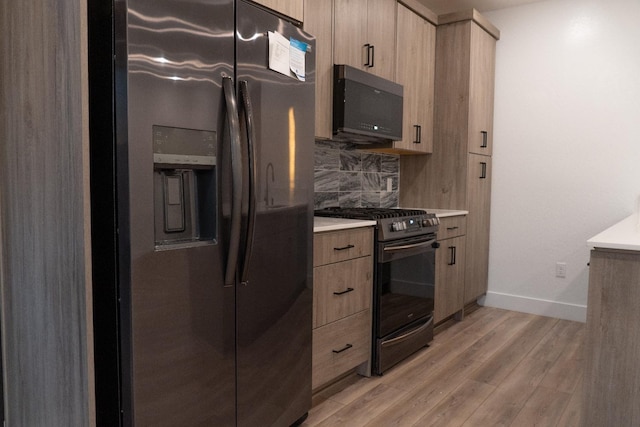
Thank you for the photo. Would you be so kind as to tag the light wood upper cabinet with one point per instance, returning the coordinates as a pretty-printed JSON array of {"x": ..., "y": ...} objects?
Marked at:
[
  {"x": 481, "y": 89},
  {"x": 365, "y": 35},
  {"x": 318, "y": 21},
  {"x": 342, "y": 29},
  {"x": 291, "y": 8},
  {"x": 415, "y": 69},
  {"x": 466, "y": 72}
]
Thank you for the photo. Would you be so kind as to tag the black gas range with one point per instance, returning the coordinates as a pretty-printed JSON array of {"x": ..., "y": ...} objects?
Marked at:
[
  {"x": 404, "y": 280},
  {"x": 392, "y": 223}
]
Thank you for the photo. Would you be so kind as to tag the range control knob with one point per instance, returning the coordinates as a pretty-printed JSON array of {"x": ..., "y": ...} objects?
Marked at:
[{"x": 430, "y": 222}]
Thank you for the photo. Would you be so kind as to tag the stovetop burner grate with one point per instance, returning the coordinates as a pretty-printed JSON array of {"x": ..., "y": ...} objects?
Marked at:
[{"x": 368, "y": 213}]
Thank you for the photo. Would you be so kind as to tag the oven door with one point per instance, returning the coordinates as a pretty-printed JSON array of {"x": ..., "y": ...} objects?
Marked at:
[{"x": 405, "y": 282}]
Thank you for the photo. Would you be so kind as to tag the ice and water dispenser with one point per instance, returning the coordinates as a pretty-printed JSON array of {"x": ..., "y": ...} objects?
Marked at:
[{"x": 184, "y": 178}]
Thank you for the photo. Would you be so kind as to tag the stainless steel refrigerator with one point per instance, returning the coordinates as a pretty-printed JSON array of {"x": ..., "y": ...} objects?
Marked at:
[{"x": 202, "y": 213}]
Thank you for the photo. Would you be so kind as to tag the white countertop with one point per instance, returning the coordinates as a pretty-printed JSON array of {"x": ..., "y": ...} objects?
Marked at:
[
  {"x": 321, "y": 224},
  {"x": 623, "y": 235}
]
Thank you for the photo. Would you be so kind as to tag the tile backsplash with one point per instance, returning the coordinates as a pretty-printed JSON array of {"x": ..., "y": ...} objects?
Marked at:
[{"x": 348, "y": 177}]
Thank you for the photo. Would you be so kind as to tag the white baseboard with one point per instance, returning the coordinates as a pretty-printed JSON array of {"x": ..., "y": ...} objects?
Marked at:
[{"x": 560, "y": 310}]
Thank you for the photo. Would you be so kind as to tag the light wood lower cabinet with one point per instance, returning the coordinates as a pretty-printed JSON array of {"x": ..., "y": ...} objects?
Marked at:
[
  {"x": 611, "y": 387},
  {"x": 332, "y": 247},
  {"x": 450, "y": 267},
  {"x": 478, "y": 221},
  {"x": 342, "y": 289},
  {"x": 340, "y": 346}
]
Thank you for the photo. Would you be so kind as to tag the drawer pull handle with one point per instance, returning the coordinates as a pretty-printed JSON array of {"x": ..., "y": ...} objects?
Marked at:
[
  {"x": 453, "y": 255},
  {"x": 343, "y": 248},
  {"x": 485, "y": 139},
  {"x": 418, "y": 139},
  {"x": 343, "y": 292},
  {"x": 346, "y": 347},
  {"x": 452, "y": 228}
]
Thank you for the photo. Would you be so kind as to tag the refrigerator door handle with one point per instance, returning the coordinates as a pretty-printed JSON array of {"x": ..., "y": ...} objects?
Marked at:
[
  {"x": 236, "y": 185},
  {"x": 252, "y": 165}
]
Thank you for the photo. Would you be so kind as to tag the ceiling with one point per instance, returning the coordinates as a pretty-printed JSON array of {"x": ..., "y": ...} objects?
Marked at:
[{"x": 440, "y": 7}]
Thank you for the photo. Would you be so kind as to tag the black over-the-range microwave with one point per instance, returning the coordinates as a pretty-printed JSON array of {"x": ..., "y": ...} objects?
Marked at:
[{"x": 366, "y": 108}]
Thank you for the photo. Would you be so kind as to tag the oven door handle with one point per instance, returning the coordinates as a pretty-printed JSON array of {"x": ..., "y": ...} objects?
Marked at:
[
  {"x": 406, "y": 336},
  {"x": 410, "y": 246}
]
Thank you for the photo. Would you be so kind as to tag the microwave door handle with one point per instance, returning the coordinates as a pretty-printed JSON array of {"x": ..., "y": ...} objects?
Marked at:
[
  {"x": 409, "y": 246},
  {"x": 236, "y": 184},
  {"x": 248, "y": 116}
]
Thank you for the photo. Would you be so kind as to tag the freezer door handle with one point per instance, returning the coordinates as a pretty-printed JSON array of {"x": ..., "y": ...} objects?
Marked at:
[
  {"x": 236, "y": 184},
  {"x": 247, "y": 111}
]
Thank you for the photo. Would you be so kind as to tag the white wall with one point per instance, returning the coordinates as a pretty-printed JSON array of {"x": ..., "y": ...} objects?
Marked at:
[{"x": 567, "y": 146}]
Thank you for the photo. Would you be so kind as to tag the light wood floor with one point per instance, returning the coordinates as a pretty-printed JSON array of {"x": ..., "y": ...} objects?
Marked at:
[{"x": 495, "y": 368}]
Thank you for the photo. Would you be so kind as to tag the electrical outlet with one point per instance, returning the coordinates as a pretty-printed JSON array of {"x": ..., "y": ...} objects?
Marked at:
[
  {"x": 561, "y": 269},
  {"x": 389, "y": 184}
]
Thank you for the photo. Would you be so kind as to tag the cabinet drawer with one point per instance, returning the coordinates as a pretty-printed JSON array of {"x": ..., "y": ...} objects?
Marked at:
[
  {"x": 341, "y": 289},
  {"x": 452, "y": 226},
  {"x": 340, "y": 346},
  {"x": 342, "y": 245}
]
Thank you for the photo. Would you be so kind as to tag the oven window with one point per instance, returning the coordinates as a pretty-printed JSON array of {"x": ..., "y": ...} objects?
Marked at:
[{"x": 406, "y": 290}]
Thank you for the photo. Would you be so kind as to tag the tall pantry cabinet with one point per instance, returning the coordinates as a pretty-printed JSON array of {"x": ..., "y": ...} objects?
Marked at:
[{"x": 458, "y": 173}]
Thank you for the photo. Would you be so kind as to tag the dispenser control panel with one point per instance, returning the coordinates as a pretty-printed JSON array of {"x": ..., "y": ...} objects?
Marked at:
[{"x": 189, "y": 147}]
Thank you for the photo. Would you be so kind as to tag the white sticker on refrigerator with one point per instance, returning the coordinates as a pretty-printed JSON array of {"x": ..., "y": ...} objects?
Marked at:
[
  {"x": 279, "y": 53},
  {"x": 287, "y": 56},
  {"x": 297, "y": 52}
]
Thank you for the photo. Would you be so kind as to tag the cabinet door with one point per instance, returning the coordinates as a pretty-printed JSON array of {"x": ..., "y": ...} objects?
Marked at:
[
  {"x": 350, "y": 33},
  {"x": 340, "y": 346},
  {"x": 415, "y": 68},
  {"x": 481, "y": 87},
  {"x": 341, "y": 289},
  {"x": 291, "y": 8},
  {"x": 478, "y": 205},
  {"x": 381, "y": 33},
  {"x": 450, "y": 265},
  {"x": 318, "y": 21},
  {"x": 365, "y": 35}
]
